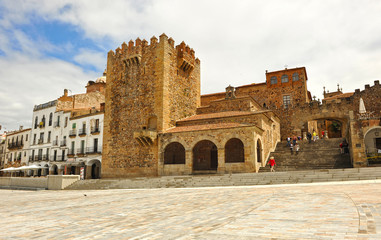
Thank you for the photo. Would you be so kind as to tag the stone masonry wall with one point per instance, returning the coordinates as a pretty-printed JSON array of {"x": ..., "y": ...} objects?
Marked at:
[{"x": 143, "y": 87}]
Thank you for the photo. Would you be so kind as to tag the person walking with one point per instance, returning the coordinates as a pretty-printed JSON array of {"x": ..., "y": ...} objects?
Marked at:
[
  {"x": 297, "y": 149},
  {"x": 309, "y": 136},
  {"x": 314, "y": 136},
  {"x": 272, "y": 164},
  {"x": 291, "y": 148}
]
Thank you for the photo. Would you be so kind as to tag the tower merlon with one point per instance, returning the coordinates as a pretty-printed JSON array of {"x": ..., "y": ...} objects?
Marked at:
[{"x": 153, "y": 40}]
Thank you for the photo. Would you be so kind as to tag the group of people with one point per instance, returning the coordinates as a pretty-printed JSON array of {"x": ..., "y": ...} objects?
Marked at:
[
  {"x": 292, "y": 143},
  {"x": 314, "y": 136}
]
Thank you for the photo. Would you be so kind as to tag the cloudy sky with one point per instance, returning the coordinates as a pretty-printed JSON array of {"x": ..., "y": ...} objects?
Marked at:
[{"x": 49, "y": 45}]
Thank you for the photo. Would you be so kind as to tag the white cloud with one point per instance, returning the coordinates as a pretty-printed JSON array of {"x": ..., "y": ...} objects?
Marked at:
[
  {"x": 28, "y": 81},
  {"x": 91, "y": 58}
]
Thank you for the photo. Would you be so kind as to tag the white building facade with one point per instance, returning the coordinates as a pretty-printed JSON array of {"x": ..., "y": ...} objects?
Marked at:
[
  {"x": 85, "y": 140},
  {"x": 16, "y": 148}
]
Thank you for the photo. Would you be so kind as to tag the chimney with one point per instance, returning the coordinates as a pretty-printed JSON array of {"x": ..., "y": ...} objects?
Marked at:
[{"x": 65, "y": 92}]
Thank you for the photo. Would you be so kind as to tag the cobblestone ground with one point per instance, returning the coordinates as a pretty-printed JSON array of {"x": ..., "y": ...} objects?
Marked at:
[{"x": 314, "y": 211}]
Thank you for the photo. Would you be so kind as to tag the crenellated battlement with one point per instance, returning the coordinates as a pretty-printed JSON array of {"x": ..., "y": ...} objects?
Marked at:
[{"x": 185, "y": 54}]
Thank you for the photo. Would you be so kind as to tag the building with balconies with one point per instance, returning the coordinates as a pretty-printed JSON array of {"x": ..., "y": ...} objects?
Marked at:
[
  {"x": 85, "y": 142},
  {"x": 16, "y": 148}
]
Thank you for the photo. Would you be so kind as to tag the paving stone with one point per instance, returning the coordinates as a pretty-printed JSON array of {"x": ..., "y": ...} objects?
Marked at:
[{"x": 347, "y": 210}]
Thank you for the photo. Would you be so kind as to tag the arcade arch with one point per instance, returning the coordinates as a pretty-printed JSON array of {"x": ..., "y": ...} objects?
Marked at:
[{"x": 205, "y": 156}]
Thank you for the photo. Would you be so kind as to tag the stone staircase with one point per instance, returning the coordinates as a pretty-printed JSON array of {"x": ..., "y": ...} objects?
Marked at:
[
  {"x": 322, "y": 154},
  {"x": 244, "y": 179}
]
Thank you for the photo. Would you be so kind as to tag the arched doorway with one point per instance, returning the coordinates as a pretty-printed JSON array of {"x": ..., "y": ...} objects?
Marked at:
[
  {"x": 174, "y": 153},
  {"x": 95, "y": 169},
  {"x": 46, "y": 170},
  {"x": 205, "y": 156},
  {"x": 234, "y": 151},
  {"x": 334, "y": 128},
  {"x": 259, "y": 151},
  {"x": 372, "y": 141},
  {"x": 55, "y": 170}
]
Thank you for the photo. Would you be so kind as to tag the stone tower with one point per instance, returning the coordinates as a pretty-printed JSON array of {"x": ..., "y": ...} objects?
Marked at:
[{"x": 149, "y": 87}]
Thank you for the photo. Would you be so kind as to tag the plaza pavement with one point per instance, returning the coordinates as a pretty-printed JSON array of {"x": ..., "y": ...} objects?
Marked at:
[{"x": 339, "y": 210}]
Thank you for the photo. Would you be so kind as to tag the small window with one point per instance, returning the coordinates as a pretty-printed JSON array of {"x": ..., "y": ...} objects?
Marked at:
[
  {"x": 286, "y": 101},
  {"x": 284, "y": 78},
  {"x": 50, "y": 119},
  {"x": 295, "y": 77},
  {"x": 66, "y": 119},
  {"x": 273, "y": 80},
  {"x": 74, "y": 125}
]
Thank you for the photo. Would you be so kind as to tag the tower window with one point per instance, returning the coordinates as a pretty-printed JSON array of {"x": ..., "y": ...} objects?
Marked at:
[
  {"x": 286, "y": 101},
  {"x": 284, "y": 78},
  {"x": 295, "y": 77},
  {"x": 273, "y": 80}
]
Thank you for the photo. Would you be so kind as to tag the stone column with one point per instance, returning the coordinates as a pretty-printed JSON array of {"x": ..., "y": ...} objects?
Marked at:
[
  {"x": 221, "y": 160},
  {"x": 87, "y": 172},
  {"x": 188, "y": 162}
]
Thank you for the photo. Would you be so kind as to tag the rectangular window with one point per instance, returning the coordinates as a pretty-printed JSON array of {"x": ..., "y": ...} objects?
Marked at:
[
  {"x": 286, "y": 101},
  {"x": 66, "y": 119},
  {"x": 34, "y": 138},
  {"x": 49, "y": 136},
  {"x": 74, "y": 125},
  {"x": 83, "y": 146},
  {"x": 95, "y": 145},
  {"x": 72, "y": 147},
  {"x": 26, "y": 138},
  {"x": 273, "y": 80}
]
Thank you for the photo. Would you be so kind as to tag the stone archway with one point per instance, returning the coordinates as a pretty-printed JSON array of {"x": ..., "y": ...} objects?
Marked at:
[
  {"x": 93, "y": 169},
  {"x": 46, "y": 170},
  {"x": 234, "y": 151},
  {"x": 332, "y": 127},
  {"x": 205, "y": 156},
  {"x": 372, "y": 142},
  {"x": 174, "y": 153},
  {"x": 54, "y": 170}
]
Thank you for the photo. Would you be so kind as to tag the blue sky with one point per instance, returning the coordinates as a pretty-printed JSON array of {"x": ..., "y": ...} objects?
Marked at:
[{"x": 47, "y": 46}]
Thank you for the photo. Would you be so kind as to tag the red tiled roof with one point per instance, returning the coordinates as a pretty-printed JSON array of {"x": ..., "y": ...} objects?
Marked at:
[
  {"x": 344, "y": 95},
  {"x": 205, "y": 127},
  {"x": 218, "y": 115}
]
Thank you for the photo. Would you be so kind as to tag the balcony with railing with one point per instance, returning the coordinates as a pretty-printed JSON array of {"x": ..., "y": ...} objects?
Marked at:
[
  {"x": 81, "y": 152},
  {"x": 71, "y": 153},
  {"x": 82, "y": 132},
  {"x": 31, "y": 158},
  {"x": 61, "y": 158},
  {"x": 56, "y": 124},
  {"x": 63, "y": 143},
  {"x": 94, "y": 150},
  {"x": 45, "y": 157},
  {"x": 55, "y": 143},
  {"x": 38, "y": 158},
  {"x": 40, "y": 141},
  {"x": 15, "y": 145},
  {"x": 95, "y": 130},
  {"x": 73, "y": 133}
]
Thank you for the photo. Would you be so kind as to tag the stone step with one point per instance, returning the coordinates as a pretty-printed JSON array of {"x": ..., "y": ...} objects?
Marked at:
[{"x": 325, "y": 175}]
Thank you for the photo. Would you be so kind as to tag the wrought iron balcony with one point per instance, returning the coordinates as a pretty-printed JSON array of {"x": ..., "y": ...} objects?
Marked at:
[
  {"x": 82, "y": 132},
  {"x": 73, "y": 133},
  {"x": 94, "y": 150},
  {"x": 95, "y": 130}
]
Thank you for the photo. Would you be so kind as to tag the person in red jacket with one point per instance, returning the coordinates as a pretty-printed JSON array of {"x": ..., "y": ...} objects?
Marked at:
[{"x": 272, "y": 164}]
